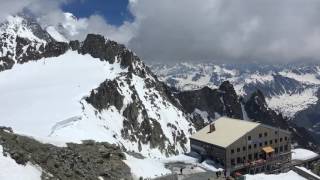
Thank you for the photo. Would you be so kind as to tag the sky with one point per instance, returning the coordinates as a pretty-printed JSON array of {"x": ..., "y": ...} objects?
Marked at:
[
  {"x": 233, "y": 31},
  {"x": 115, "y": 11}
]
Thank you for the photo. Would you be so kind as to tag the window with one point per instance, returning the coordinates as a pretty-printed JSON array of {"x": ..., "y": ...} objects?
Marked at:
[
  {"x": 281, "y": 148},
  {"x": 233, "y": 162},
  {"x": 275, "y": 132},
  {"x": 249, "y": 138},
  {"x": 250, "y": 157},
  {"x": 266, "y": 143},
  {"x": 244, "y": 159},
  {"x": 255, "y": 155},
  {"x": 238, "y": 160},
  {"x": 260, "y": 135},
  {"x": 285, "y": 138},
  {"x": 276, "y": 150},
  {"x": 275, "y": 140},
  {"x": 255, "y": 145},
  {"x": 270, "y": 142},
  {"x": 232, "y": 151},
  {"x": 238, "y": 149},
  {"x": 260, "y": 155},
  {"x": 286, "y": 147},
  {"x": 244, "y": 148},
  {"x": 249, "y": 146},
  {"x": 265, "y": 134},
  {"x": 260, "y": 144},
  {"x": 280, "y": 139}
]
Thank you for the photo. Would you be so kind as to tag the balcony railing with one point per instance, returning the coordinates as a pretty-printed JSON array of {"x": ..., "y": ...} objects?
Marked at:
[{"x": 261, "y": 162}]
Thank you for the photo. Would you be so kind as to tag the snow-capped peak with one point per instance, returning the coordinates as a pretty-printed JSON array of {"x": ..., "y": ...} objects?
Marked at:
[
  {"x": 19, "y": 26},
  {"x": 20, "y": 34}
]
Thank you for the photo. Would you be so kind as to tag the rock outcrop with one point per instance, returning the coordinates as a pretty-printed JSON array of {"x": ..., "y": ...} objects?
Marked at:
[
  {"x": 215, "y": 102},
  {"x": 87, "y": 161},
  {"x": 257, "y": 110}
]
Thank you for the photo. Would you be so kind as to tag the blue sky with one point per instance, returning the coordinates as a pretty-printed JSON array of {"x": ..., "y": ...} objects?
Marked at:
[{"x": 114, "y": 11}]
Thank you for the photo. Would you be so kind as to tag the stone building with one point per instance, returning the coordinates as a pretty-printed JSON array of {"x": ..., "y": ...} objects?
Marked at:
[{"x": 243, "y": 146}]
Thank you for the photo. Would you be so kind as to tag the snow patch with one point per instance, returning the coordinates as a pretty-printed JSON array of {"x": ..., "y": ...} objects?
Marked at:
[
  {"x": 289, "y": 104},
  {"x": 306, "y": 78},
  {"x": 244, "y": 113},
  {"x": 181, "y": 158},
  {"x": 146, "y": 168},
  {"x": 204, "y": 115},
  {"x": 259, "y": 78},
  {"x": 211, "y": 165},
  {"x": 291, "y": 175},
  {"x": 55, "y": 34},
  {"x": 303, "y": 154}
]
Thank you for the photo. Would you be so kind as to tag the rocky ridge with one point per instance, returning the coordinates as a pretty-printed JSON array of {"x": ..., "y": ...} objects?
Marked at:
[{"x": 89, "y": 160}]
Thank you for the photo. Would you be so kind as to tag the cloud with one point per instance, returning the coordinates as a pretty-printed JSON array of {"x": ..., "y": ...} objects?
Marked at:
[
  {"x": 98, "y": 25},
  {"x": 11, "y": 7},
  {"x": 49, "y": 13},
  {"x": 227, "y": 31}
]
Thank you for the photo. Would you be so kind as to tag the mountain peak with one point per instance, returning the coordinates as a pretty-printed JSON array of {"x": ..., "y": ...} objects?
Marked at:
[{"x": 24, "y": 27}]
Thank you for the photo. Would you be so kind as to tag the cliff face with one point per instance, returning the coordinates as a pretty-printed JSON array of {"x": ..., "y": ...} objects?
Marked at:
[
  {"x": 212, "y": 102},
  {"x": 257, "y": 109}
]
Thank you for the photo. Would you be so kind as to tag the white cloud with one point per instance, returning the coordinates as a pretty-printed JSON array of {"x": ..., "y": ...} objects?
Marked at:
[
  {"x": 241, "y": 31},
  {"x": 97, "y": 24},
  {"x": 12, "y": 6},
  {"x": 233, "y": 30}
]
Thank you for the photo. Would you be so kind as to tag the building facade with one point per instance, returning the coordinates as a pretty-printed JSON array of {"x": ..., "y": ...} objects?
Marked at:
[{"x": 241, "y": 145}]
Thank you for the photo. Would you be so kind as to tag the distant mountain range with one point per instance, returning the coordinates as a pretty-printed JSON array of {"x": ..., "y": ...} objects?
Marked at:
[{"x": 289, "y": 89}]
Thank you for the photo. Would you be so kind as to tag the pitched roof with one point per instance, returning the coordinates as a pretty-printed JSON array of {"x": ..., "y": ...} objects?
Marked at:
[{"x": 226, "y": 132}]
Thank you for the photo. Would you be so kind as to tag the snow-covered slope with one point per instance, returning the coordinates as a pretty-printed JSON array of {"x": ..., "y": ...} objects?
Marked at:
[
  {"x": 95, "y": 89},
  {"x": 48, "y": 91},
  {"x": 288, "y": 89}
]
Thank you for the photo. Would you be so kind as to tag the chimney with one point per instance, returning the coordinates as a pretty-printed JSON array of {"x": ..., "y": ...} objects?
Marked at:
[{"x": 212, "y": 127}]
